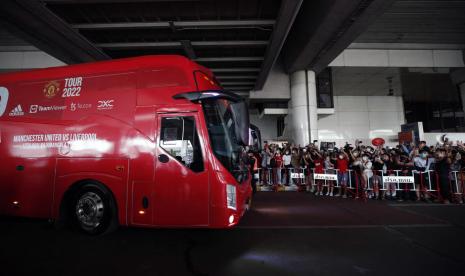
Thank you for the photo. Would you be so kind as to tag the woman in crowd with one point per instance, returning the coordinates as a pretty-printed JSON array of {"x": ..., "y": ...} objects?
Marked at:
[
  {"x": 309, "y": 166},
  {"x": 329, "y": 169},
  {"x": 295, "y": 162},
  {"x": 278, "y": 167},
  {"x": 319, "y": 169},
  {"x": 367, "y": 172},
  {"x": 342, "y": 164},
  {"x": 388, "y": 170},
  {"x": 376, "y": 179},
  {"x": 266, "y": 156},
  {"x": 287, "y": 165}
]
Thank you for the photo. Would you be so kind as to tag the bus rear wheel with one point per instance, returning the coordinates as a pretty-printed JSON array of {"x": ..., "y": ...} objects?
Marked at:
[{"x": 94, "y": 210}]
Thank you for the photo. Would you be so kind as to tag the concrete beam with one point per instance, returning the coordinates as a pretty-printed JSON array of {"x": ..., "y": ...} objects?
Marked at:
[
  {"x": 235, "y": 70},
  {"x": 36, "y": 24},
  {"x": 287, "y": 13},
  {"x": 108, "y": 1},
  {"x": 238, "y": 77},
  {"x": 188, "y": 49},
  {"x": 235, "y": 88},
  {"x": 275, "y": 111},
  {"x": 236, "y": 83},
  {"x": 323, "y": 29},
  {"x": 178, "y": 44},
  {"x": 177, "y": 24},
  {"x": 18, "y": 48},
  {"x": 228, "y": 59}
]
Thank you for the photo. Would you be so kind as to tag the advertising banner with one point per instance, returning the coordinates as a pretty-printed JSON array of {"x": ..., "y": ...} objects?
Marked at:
[
  {"x": 297, "y": 175},
  {"x": 398, "y": 179}
]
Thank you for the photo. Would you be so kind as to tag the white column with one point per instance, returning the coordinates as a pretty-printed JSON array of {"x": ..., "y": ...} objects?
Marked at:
[
  {"x": 312, "y": 105},
  {"x": 303, "y": 106}
]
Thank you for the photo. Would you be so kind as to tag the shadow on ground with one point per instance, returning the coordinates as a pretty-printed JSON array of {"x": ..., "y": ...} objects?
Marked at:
[{"x": 286, "y": 234}]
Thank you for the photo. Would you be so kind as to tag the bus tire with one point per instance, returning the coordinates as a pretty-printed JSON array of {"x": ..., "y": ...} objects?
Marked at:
[{"x": 93, "y": 209}]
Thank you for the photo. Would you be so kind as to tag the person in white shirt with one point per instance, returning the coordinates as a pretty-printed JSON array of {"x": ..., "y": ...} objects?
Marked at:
[
  {"x": 287, "y": 166},
  {"x": 422, "y": 164},
  {"x": 367, "y": 172},
  {"x": 329, "y": 169}
]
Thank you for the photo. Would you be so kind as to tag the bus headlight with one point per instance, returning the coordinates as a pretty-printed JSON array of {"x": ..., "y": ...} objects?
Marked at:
[{"x": 231, "y": 196}]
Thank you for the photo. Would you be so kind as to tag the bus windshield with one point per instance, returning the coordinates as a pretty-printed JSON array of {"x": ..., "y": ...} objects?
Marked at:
[{"x": 222, "y": 127}]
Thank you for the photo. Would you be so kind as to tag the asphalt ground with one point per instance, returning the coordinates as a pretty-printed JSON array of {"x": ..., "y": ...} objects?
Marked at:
[{"x": 286, "y": 233}]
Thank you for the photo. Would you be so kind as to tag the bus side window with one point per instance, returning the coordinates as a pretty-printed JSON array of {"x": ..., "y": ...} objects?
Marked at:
[{"x": 180, "y": 139}]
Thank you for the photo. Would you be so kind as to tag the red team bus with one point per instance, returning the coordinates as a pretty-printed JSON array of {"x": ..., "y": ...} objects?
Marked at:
[{"x": 149, "y": 141}]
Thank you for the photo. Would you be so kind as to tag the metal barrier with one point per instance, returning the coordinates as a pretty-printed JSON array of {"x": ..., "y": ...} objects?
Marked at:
[{"x": 426, "y": 184}]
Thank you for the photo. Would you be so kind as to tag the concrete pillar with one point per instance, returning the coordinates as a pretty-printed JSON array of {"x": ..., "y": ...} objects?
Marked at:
[
  {"x": 298, "y": 108},
  {"x": 312, "y": 105},
  {"x": 303, "y": 106}
]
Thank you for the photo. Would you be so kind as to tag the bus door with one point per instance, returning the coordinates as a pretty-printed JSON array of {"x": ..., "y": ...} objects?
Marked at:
[{"x": 181, "y": 193}]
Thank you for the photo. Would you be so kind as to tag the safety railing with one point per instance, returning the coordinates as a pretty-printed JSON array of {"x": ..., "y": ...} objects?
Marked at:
[{"x": 361, "y": 184}]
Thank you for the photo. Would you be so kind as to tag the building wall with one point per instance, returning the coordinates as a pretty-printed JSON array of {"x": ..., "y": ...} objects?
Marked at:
[
  {"x": 399, "y": 58},
  {"x": 433, "y": 138},
  {"x": 363, "y": 118},
  {"x": 267, "y": 125},
  {"x": 20, "y": 60},
  {"x": 277, "y": 85}
]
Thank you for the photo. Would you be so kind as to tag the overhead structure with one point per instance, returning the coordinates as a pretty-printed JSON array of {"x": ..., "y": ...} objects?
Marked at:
[
  {"x": 35, "y": 23},
  {"x": 323, "y": 29},
  {"x": 236, "y": 38},
  {"x": 240, "y": 40}
]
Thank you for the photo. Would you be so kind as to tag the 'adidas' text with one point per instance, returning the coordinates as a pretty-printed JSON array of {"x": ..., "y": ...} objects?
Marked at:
[{"x": 17, "y": 111}]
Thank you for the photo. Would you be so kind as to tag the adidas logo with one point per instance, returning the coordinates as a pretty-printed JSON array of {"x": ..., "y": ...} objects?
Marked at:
[{"x": 17, "y": 111}]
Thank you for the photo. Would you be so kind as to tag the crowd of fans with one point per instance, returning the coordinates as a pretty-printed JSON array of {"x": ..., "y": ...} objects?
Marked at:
[{"x": 430, "y": 165}]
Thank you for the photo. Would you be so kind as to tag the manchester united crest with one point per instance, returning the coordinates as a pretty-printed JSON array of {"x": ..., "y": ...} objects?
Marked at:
[{"x": 51, "y": 89}]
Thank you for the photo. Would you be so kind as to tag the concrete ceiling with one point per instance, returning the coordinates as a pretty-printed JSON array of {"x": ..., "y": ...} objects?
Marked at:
[
  {"x": 239, "y": 40},
  {"x": 9, "y": 41},
  {"x": 415, "y": 21},
  {"x": 323, "y": 29}
]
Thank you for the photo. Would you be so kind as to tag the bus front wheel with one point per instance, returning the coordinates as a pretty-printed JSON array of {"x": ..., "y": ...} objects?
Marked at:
[{"x": 94, "y": 209}]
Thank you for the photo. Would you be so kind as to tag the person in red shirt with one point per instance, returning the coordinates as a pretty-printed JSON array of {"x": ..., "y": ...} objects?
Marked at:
[
  {"x": 319, "y": 169},
  {"x": 279, "y": 165},
  {"x": 342, "y": 164}
]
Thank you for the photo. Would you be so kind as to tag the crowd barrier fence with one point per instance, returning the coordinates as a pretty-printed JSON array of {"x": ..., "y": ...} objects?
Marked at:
[{"x": 424, "y": 183}]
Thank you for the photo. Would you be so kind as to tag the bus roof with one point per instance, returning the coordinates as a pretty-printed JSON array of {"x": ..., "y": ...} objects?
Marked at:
[{"x": 105, "y": 67}]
